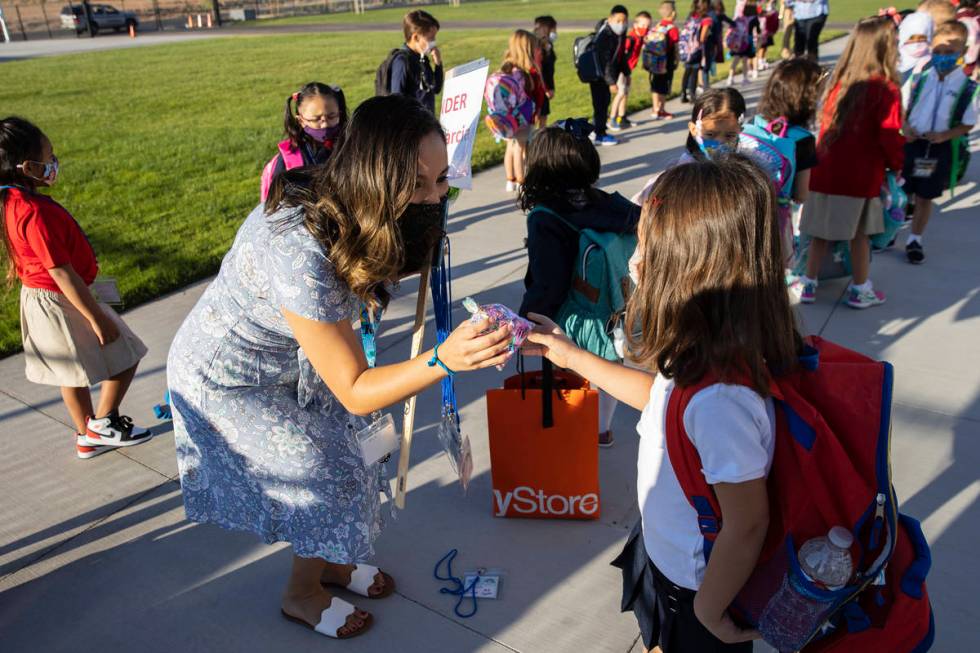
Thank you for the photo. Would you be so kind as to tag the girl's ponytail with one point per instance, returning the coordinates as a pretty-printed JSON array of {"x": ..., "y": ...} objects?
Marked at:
[
  {"x": 20, "y": 140},
  {"x": 291, "y": 126}
]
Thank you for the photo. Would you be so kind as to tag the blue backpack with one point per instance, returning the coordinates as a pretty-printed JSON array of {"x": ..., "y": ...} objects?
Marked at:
[
  {"x": 600, "y": 286},
  {"x": 772, "y": 145}
]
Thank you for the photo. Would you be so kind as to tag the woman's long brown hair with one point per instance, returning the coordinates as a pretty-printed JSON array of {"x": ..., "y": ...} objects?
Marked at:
[
  {"x": 871, "y": 53},
  {"x": 712, "y": 295},
  {"x": 355, "y": 200}
]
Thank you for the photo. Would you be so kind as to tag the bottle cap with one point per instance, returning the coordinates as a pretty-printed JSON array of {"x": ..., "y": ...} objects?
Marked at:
[{"x": 840, "y": 537}]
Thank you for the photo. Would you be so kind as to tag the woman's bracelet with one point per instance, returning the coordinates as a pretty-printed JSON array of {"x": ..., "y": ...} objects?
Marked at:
[{"x": 436, "y": 361}]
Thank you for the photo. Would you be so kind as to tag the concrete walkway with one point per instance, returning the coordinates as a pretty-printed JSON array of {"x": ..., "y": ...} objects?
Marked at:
[{"x": 97, "y": 556}]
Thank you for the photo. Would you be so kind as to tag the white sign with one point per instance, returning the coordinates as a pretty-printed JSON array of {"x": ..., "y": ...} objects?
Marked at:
[{"x": 462, "y": 104}]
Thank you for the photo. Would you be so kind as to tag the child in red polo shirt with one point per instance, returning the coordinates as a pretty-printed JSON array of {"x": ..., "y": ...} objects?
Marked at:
[
  {"x": 860, "y": 137},
  {"x": 71, "y": 340}
]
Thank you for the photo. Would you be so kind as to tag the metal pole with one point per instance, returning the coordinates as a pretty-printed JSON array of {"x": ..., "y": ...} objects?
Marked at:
[
  {"x": 216, "y": 6},
  {"x": 3, "y": 27},
  {"x": 47, "y": 25},
  {"x": 20, "y": 21},
  {"x": 156, "y": 12}
]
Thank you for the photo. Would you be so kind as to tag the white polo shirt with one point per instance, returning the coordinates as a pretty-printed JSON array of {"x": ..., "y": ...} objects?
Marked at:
[
  {"x": 732, "y": 427},
  {"x": 933, "y": 109}
]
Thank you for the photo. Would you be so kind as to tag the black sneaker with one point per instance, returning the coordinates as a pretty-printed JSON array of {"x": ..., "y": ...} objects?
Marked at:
[
  {"x": 685, "y": 99},
  {"x": 625, "y": 123},
  {"x": 914, "y": 253},
  {"x": 115, "y": 430}
]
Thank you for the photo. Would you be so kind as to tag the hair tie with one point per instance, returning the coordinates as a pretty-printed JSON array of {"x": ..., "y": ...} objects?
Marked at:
[{"x": 295, "y": 96}]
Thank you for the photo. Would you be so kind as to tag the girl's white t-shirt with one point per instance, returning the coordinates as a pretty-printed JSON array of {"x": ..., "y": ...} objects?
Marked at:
[{"x": 733, "y": 429}]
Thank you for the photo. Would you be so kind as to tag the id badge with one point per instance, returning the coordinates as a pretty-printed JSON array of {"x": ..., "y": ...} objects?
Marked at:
[
  {"x": 106, "y": 291},
  {"x": 485, "y": 584},
  {"x": 923, "y": 168},
  {"x": 378, "y": 440},
  {"x": 458, "y": 450}
]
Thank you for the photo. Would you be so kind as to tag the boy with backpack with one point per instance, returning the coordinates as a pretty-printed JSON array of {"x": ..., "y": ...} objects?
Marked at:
[
  {"x": 660, "y": 58},
  {"x": 415, "y": 69},
  {"x": 546, "y": 29},
  {"x": 941, "y": 109},
  {"x": 598, "y": 60}
]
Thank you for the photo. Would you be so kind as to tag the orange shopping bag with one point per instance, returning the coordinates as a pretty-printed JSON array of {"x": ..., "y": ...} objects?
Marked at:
[{"x": 544, "y": 446}]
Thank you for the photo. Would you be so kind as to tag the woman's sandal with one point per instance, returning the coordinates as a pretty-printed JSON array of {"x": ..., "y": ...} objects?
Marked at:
[
  {"x": 334, "y": 618},
  {"x": 361, "y": 580}
]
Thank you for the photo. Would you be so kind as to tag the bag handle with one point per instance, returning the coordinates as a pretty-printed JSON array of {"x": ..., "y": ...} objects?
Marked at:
[
  {"x": 781, "y": 124},
  {"x": 547, "y": 385}
]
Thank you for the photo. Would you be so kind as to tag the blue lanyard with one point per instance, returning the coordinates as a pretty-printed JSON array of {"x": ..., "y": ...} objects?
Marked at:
[
  {"x": 369, "y": 330},
  {"x": 440, "y": 281},
  {"x": 459, "y": 589}
]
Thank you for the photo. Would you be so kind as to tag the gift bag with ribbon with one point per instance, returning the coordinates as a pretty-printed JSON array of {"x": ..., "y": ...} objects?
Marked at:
[{"x": 544, "y": 446}]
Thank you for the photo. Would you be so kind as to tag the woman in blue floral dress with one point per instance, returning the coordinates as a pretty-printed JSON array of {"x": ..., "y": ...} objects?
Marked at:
[{"x": 268, "y": 380}]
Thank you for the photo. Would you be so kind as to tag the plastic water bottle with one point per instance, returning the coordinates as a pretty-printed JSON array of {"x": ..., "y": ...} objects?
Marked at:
[{"x": 792, "y": 615}]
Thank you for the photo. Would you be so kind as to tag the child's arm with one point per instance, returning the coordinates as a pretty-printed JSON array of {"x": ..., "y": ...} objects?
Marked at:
[
  {"x": 81, "y": 297},
  {"x": 801, "y": 186},
  {"x": 734, "y": 555},
  {"x": 948, "y": 135},
  {"x": 625, "y": 384}
]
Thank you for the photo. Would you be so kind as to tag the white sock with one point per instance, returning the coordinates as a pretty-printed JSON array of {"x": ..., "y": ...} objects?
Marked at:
[
  {"x": 914, "y": 238},
  {"x": 864, "y": 287}
]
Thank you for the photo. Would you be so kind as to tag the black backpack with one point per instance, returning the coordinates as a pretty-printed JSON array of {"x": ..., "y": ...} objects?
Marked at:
[
  {"x": 382, "y": 78},
  {"x": 586, "y": 60}
]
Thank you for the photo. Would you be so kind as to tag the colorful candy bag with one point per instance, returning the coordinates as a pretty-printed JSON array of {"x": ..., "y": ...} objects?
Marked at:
[{"x": 499, "y": 315}]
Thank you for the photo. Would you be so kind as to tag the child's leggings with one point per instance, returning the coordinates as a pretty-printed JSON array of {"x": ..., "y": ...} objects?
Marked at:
[{"x": 607, "y": 408}]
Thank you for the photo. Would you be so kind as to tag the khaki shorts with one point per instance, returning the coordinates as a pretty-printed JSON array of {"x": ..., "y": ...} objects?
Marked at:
[
  {"x": 839, "y": 217},
  {"x": 623, "y": 83},
  {"x": 60, "y": 347}
]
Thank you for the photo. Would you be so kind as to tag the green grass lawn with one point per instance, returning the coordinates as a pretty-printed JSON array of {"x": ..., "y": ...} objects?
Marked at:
[
  {"x": 161, "y": 159},
  {"x": 841, "y": 11}
]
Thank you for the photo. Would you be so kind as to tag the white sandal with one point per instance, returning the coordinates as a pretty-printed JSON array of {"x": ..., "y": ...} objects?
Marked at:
[
  {"x": 334, "y": 618},
  {"x": 361, "y": 580}
]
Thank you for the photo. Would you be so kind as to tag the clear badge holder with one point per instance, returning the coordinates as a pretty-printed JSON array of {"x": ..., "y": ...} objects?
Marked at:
[
  {"x": 924, "y": 167},
  {"x": 106, "y": 291},
  {"x": 457, "y": 448},
  {"x": 483, "y": 583}
]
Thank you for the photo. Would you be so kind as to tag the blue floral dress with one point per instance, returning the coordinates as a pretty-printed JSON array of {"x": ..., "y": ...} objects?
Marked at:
[{"x": 262, "y": 444}]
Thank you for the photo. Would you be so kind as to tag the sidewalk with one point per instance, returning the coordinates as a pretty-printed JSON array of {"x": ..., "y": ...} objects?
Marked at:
[{"x": 97, "y": 556}]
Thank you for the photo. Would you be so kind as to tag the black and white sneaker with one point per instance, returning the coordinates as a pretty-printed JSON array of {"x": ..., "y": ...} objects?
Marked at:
[
  {"x": 914, "y": 253},
  {"x": 116, "y": 430}
]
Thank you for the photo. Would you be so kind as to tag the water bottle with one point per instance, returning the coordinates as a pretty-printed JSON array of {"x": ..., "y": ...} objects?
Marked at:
[{"x": 791, "y": 616}]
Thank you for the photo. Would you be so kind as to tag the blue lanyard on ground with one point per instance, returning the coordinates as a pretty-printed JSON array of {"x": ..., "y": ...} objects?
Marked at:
[
  {"x": 440, "y": 281},
  {"x": 458, "y": 589}
]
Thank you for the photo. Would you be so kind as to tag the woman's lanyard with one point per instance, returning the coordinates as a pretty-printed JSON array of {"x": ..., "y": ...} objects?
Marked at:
[
  {"x": 440, "y": 281},
  {"x": 459, "y": 588}
]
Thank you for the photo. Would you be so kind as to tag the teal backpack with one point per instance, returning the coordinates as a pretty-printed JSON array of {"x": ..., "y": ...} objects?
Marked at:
[{"x": 600, "y": 286}]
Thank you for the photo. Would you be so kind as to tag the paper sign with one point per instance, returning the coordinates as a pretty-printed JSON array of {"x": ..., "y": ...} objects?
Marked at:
[{"x": 462, "y": 104}]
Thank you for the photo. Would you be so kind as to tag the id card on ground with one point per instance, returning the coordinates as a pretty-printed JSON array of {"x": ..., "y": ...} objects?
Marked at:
[
  {"x": 106, "y": 291},
  {"x": 487, "y": 587},
  {"x": 378, "y": 440},
  {"x": 923, "y": 168}
]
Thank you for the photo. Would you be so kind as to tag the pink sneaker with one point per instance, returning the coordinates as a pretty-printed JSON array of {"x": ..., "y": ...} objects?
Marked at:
[{"x": 864, "y": 299}]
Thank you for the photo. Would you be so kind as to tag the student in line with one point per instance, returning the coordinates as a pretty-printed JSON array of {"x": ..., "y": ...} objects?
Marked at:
[
  {"x": 942, "y": 106},
  {"x": 662, "y": 76},
  {"x": 71, "y": 339},
  {"x": 703, "y": 306},
  {"x": 860, "y": 137},
  {"x": 561, "y": 198},
  {"x": 632, "y": 47},
  {"x": 608, "y": 44},
  {"x": 313, "y": 123},
  {"x": 546, "y": 29},
  {"x": 416, "y": 69}
]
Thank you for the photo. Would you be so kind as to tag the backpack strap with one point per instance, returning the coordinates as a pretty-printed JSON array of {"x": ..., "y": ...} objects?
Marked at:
[
  {"x": 966, "y": 94},
  {"x": 579, "y": 283},
  {"x": 919, "y": 78},
  {"x": 292, "y": 157},
  {"x": 686, "y": 462},
  {"x": 543, "y": 209}
]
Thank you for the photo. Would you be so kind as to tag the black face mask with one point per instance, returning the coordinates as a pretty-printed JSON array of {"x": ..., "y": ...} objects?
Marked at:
[{"x": 421, "y": 228}]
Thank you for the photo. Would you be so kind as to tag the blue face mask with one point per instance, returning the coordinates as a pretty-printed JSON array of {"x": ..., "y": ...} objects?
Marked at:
[
  {"x": 714, "y": 148},
  {"x": 944, "y": 63}
]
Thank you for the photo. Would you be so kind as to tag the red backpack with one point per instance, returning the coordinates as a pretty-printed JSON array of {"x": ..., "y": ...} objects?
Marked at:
[
  {"x": 830, "y": 467},
  {"x": 291, "y": 157}
]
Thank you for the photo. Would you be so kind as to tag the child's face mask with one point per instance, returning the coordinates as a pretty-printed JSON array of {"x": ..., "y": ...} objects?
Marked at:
[
  {"x": 945, "y": 63},
  {"x": 634, "y": 266},
  {"x": 716, "y": 138},
  {"x": 553, "y": 36},
  {"x": 49, "y": 170}
]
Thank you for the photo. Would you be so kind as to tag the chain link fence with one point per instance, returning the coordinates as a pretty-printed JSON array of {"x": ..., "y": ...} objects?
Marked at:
[{"x": 39, "y": 19}]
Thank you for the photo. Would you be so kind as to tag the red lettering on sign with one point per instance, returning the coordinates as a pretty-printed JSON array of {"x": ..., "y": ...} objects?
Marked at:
[{"x": 454, "y": 103}]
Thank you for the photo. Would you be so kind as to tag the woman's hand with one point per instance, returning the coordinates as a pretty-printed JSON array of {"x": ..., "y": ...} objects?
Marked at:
[
  {"x": 550, "y": 341},
  {"x": 105, "y": 329},
  {"x": 725, "y": 629},
  {"x": 466, "y": 350}
]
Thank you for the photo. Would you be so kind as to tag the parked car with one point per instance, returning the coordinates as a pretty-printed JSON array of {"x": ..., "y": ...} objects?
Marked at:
[{"x": 104, "y": 17}]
